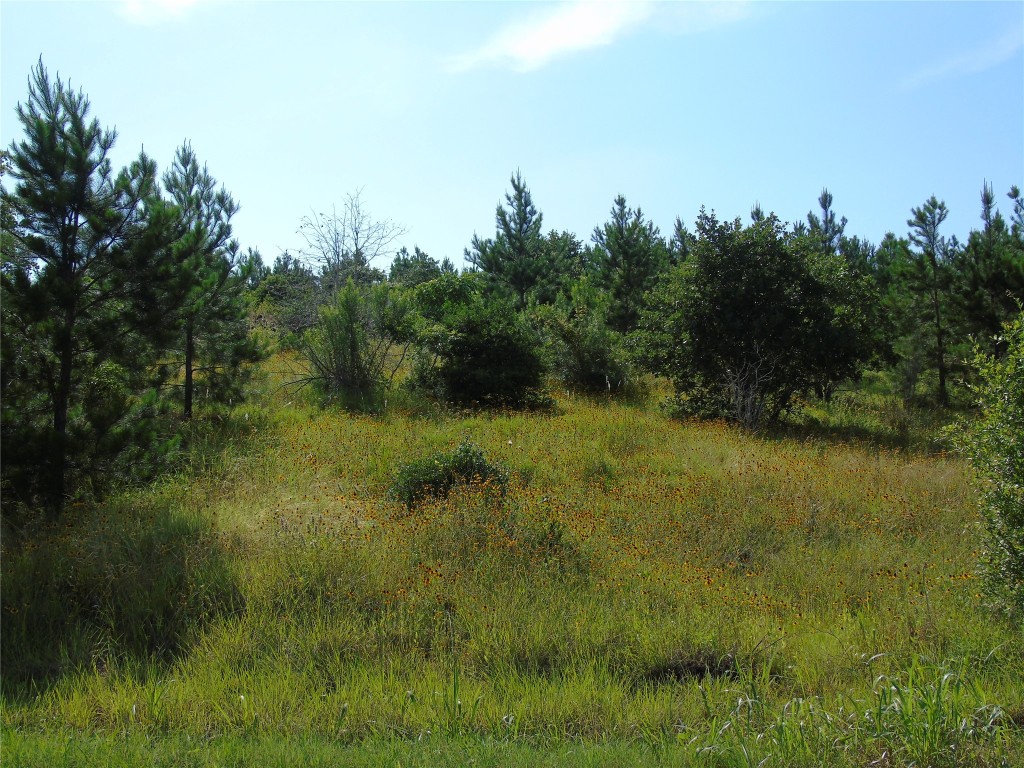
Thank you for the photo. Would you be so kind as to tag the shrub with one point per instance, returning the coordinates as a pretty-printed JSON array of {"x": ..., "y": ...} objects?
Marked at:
[
  {"x": 475, "y": 351},
  {"x": 995, "y": 444},
  {"x": 585, "y": 353},
  {"x": 358, "y": 344},
  {"x": 435, "y": 475}
]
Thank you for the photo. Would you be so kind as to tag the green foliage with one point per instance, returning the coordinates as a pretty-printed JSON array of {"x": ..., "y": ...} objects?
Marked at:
[
  {"x": 630, "y": 255},
  {"x": 87, "y": 266},
  {"x": 517, "y": 261},
  {"x": 410, "y": 270},
  {"x": 753, "y": 318},
  {"x": 215, "y": 348},
  {"x": 358, "y": 344},
  {"x": 435, "y": 475},
  {"x": 285, "y": 301},
  {"x": 988, "y": 283},
  {"x": 585, "y": 353},
  {"x": 825, "y": 229},
  {"x": 995, "y": 444},
  {"x": 922, "y": 276},
  {"x": 473, "y": 350}
]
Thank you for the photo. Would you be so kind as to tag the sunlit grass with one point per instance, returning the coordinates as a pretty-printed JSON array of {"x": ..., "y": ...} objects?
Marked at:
[{"x": 637, "y": 580}]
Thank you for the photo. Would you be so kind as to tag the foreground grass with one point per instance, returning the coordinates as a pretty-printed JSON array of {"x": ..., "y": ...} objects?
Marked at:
[{"x": 646, "y": 591}]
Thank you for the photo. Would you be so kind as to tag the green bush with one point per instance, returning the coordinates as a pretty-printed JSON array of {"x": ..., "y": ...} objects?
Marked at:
[
  {"x": 585, "y": 353},
  {"x": 475, "y": 351},
  {"x": 995, "y": 444},
  {"x": 435, "y": 475},
  {"x": 755, "y": 317},
  {"x": 358, "y": 344}
]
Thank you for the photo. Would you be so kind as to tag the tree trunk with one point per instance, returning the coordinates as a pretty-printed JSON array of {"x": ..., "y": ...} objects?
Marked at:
[
  {"x": 190, "y": 352},
  {"x": 62, "y": 397},
  {"x": 940, "y": 349}
]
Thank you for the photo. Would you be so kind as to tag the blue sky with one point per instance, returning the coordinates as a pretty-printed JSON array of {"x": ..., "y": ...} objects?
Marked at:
[{"x": 428, "y": 108}]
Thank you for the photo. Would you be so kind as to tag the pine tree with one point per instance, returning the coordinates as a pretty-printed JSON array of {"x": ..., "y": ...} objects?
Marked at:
[
  {"x": 85, "y": 268},
  {"x": 825, "y": 229},
  {"x": 418, "y": 267},
  {"x": 631, "y": 255},
  {"x": 213, "y": 275},
  {"x": 927, "y": 278},
  {"x": 989, "y": 284},
  {"x": 516, "y": 260}
]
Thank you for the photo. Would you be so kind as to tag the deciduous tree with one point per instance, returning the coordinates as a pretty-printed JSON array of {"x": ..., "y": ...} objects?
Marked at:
[{"x": 752, "y": 318}]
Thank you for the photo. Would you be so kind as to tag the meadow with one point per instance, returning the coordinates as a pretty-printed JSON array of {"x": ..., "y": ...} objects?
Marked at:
[{"x": 644, "y": 591}]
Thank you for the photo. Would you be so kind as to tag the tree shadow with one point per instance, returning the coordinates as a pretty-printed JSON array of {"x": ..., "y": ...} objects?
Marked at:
[
  {"x": 132, "y": 580},
  {"x": 915, "y": 439}
]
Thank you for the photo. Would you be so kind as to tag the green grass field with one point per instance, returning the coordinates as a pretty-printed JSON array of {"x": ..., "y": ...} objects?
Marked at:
[{"x": 645, "y": 592}]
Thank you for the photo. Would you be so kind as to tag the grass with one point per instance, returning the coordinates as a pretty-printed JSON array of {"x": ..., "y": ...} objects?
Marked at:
[{"x": 645, "y": 591}]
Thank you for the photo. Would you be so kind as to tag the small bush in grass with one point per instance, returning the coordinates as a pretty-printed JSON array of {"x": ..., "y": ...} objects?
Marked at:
[{"x": 435, "y": 475}]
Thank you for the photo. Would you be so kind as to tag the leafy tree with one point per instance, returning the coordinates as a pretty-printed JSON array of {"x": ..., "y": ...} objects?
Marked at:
[
  {"x": 630, "y": 255},
  {"x": 516, "y": 261},
  {"x": 475, "y": 350},
  {"x": 213, "y": 276},
  {"x": 826, "y": 235},
  {"x": 418, "y": 267},
  {"x": 995, "y": 444},
  {"x": 753, "y": 318},
  {"x": 86, "y": 265},
  {"x": 989, "y": 280}
]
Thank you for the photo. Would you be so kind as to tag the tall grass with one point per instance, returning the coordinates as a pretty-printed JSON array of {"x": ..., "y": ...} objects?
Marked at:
[{"x": 716, "y": 597}]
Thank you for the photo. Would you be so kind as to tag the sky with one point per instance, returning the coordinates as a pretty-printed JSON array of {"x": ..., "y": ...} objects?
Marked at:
[{"x": 426, "y": 109}]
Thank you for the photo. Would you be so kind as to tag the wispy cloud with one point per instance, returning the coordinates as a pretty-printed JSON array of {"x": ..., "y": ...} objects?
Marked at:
[
  {"x": 575, "y": 26},
  {"x": 154, "y": 11},
  {"x": 970, "y": 63}
]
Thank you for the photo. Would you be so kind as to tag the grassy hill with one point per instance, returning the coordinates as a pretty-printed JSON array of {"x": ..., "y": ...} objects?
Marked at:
[{"x": 644, "y": 591}]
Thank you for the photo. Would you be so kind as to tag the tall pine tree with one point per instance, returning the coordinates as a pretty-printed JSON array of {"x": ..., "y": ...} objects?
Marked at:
[
  {"x": 85, "y": 265},
  {"x": 927, "y": 278},
  {"x": 516, "y": 261},
  {"x": 631, "y": 254},
  {"x": 215, "y": 341}
]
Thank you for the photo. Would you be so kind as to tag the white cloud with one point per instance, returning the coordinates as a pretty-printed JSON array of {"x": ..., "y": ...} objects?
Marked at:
[
  {"x": 995, "y": 52},
  {"x": 575, "y": 26},
  {"x": 154, "y": 11}
]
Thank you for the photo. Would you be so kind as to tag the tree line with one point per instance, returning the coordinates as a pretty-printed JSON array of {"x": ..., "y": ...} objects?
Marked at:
[{"x": 128, "y": 304}]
